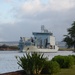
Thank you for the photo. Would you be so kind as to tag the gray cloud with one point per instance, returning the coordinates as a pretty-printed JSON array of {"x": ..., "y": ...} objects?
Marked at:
[{"x": 56, "y": 20}]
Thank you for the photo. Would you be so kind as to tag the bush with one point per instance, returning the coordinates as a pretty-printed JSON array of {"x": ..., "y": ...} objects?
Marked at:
[
  {"x": 32, "y": 63},
  {"x": 70, "y": 61},
  {"x": 64, "y": 61},
  {"x": 73, "y": 57},
  {"x": 45, "y": 69},
  {"x": 51, "y": 67}
]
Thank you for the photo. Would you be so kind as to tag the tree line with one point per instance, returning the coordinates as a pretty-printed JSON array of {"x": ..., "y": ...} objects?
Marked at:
[{"x": 6, "y": 47}]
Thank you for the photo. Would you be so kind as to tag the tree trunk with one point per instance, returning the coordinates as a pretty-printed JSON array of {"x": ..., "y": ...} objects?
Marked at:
[{"x": 74, "y": 47}]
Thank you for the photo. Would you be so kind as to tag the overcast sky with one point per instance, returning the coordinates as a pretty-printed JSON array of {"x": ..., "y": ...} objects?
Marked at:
[{"x": 22, "y": 17}]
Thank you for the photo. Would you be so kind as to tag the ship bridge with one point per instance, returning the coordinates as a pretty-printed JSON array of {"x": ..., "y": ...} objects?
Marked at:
[{"x": 44, "y": 38}]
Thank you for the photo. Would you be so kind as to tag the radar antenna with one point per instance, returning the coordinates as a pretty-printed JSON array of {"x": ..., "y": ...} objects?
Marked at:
[{"x": 42, "y": 28}]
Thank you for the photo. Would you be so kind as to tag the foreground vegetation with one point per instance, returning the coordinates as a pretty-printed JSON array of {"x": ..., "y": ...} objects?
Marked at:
[
  {"x": 36, "y": 63},
  {"x": 70, "y": 71}
]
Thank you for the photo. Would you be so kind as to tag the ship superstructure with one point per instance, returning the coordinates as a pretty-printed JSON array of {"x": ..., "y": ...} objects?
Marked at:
[{"x": 43, "y": 41}]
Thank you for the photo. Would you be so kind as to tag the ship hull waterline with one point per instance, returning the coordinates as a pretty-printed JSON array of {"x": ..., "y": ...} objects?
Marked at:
[{"x": 35, "y": 49}]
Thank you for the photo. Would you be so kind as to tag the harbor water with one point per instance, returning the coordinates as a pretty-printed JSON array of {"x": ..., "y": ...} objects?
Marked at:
[{"x": 8, "y": 62}]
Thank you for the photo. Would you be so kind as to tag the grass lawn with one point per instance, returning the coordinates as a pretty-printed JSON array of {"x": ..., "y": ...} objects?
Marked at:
[
  {"x": 70, "y": 71},
  {"x": 66, "y": 49}
]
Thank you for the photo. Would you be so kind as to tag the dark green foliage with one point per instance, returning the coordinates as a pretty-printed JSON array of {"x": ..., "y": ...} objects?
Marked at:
[
  {"x": 46, "y": 68},
  {"x": 6, "y": 47},
  {"x": 54, "y": 67},
  {"x": 36, "y": 63},
  {"x": 13, "y": 47},
  {"x": 64, "y": 61},
  {"x": 70, "y": 61},
  {"x": 68, "y": 40},
  {"x": 73, "y": 57},
  {"x": 51, "y": 67},
  {"x": 32, "y": 63},
  {"x": 70, "y": 37}
]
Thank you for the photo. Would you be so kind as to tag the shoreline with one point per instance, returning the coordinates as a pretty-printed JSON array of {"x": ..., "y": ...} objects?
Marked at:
[
  {"x": 20, "y": 72},
  {"x": 66, "y": 49}
]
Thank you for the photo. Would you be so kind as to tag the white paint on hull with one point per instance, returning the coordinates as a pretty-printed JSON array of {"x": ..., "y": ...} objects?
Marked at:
[{"x": 35, "y": 49}]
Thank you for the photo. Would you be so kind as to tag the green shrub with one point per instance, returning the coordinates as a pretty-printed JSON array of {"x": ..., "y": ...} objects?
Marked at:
[
  {"x": 46, "y": 68},
  {"x": 64, "y": 61},
  {"x": 70, "y": 61},
  {"x": 32, "y": 63},
  {"x": 51, "y": 67},
  {"x": 73, "y": 57}
]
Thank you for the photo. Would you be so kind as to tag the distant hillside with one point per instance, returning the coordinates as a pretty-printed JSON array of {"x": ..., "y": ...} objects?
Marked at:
[{"x": 11, "y": 43}]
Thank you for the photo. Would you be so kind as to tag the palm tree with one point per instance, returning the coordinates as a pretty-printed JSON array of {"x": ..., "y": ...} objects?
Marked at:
[
  {"x": 70, "y": 37},
  {"x": 32, "y": 63},
  {"x": 68, "y": 41}
]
